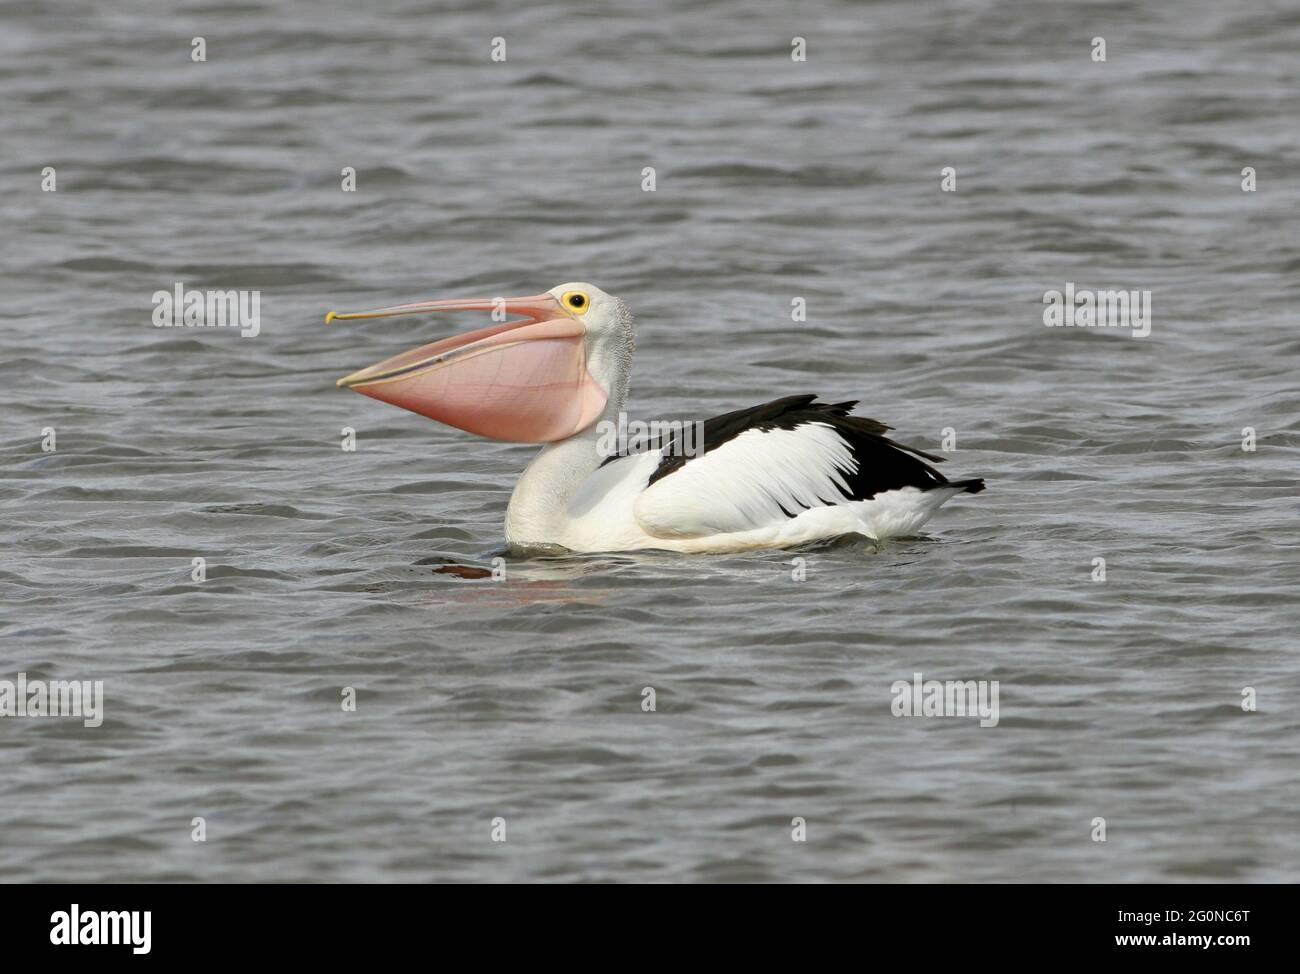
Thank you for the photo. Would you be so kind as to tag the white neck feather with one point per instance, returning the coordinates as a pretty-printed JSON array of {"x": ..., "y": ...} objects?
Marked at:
[{"x": 538, "y": 511}]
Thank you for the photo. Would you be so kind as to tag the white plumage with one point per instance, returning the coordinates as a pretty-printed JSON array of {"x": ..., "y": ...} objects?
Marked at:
[
  {"x": 761, "y": 489},
  {"x": 749, "y": 482}
]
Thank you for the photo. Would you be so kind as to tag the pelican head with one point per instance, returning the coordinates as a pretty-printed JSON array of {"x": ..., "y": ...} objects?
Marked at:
[{"x": 541, "y": 376}]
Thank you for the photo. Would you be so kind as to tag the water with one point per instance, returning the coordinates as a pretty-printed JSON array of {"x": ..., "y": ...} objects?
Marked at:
[{"x": 522, "y": 699}]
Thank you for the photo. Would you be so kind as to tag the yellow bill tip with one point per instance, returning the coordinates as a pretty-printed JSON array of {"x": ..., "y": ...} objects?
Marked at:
[
  {"x": 330, "y": 316},
  {"x": 348, "y": 381}
]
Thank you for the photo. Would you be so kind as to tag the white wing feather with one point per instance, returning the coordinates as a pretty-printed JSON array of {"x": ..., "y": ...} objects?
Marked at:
[{"x": 744, "y": 483}]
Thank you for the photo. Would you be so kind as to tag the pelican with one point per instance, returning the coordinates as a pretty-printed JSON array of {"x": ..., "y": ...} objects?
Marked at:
[{"x": 784, "y": 473}]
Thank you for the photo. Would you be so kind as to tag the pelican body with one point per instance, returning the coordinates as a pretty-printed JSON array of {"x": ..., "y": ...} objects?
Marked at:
[{"x": 784, "y": 473}]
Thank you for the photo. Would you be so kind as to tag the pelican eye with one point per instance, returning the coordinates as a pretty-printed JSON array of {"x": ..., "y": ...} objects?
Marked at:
[{"x": 575, "y": 301}]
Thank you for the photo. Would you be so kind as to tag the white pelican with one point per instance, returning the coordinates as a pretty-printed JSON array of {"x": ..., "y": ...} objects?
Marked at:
[{"x": 787, "y": 472}]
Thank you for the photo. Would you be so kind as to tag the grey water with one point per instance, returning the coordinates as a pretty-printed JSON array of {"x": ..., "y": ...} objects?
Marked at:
[{"x": 1125, "y": 697}]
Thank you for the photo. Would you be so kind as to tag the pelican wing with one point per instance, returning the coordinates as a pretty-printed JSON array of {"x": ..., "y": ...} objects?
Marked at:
[{"x": 759, "y": 466}]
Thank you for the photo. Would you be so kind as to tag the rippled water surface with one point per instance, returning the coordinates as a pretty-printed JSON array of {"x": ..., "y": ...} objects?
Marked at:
[{"x": 522, "y": 699}]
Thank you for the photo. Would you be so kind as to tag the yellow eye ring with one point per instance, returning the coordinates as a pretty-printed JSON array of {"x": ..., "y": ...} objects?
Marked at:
[{"x": 575, "y": 301}]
